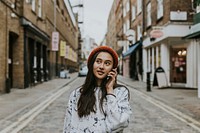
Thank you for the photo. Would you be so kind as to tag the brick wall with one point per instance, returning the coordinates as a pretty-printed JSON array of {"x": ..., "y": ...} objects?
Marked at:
[{"x": 2, "y": 46}]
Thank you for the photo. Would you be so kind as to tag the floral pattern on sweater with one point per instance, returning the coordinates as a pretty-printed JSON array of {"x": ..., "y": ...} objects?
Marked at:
[{"x": 117, "y": 111}]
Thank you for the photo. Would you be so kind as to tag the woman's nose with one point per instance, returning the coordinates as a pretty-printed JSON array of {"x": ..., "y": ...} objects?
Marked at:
[{"x": 101, "y": 65}]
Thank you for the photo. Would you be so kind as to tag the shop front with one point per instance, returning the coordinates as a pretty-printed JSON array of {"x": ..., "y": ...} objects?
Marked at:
[
  {"x": 36, "y": 69},
  {"x": 132, "y": 62},
  {"x": 169, "y": 51}
]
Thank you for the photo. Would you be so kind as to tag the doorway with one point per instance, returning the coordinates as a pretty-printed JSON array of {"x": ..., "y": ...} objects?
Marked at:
[
  {"x": 12, "y": 41},
  {"x": 178, "y": 65}
]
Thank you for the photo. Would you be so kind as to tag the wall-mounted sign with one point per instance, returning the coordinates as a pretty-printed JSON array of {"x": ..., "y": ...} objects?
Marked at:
[
  {"x": 178, "y": 15},
  {"x": 156, "y": 34}
]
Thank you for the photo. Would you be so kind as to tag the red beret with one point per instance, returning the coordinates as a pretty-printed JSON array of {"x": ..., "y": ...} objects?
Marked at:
[{"x": 105, "y": 49}]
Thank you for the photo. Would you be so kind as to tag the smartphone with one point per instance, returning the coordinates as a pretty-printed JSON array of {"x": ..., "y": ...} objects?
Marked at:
[{"x": 108, "y": 77}]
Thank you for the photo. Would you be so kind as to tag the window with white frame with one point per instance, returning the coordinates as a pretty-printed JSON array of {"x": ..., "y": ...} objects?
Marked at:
[
  {"x": 133, "y": 13},
  {"x": 159, "y": 9},
  {"x": 127, "y": 6},
  {"x": 40, "y": 8},
  {"x": 127, "y": 24},
  {"x": 139, "y": 6},
  {"x": 197, "y": 2},
  {"x": 133, "y": 41},
  {"x": 139, "y": 32},
  {"x": 124, "y": 12},
  {"x": 124, "y": 28},
  {"x": 33, "y": 5},
  {"x": 149, "y": 14}
]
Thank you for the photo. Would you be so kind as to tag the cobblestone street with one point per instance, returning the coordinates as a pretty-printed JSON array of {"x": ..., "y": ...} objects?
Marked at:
[{"x": 146, "y": 117}]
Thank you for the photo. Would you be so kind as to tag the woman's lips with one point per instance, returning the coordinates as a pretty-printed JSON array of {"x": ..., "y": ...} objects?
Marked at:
[{"x": 100, "y": 72}]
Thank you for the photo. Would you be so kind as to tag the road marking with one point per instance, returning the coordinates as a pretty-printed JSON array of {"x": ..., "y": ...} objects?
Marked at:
[
  {"x": 177, "y": 114},
  {"x": 29, "y": 116}
]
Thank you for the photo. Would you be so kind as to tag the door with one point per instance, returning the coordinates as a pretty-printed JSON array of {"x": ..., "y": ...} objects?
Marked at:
[{"x": 178, "y": 65}]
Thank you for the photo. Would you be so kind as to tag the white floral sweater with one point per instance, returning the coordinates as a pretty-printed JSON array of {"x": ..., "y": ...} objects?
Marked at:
[{"x": 117, "y": 111}]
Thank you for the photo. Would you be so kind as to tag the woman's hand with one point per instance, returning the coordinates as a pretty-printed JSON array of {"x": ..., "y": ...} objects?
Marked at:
[{"x": 111, "y": 81}]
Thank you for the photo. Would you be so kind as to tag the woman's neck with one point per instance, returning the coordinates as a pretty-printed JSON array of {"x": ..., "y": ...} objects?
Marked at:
[{"x": 99, "y": 82}]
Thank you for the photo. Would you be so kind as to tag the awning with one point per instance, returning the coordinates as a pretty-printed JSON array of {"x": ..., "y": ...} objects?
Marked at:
[
  {"x": 132, "y": 49},
  {"x": 27, "y": 24},
  {"x": 194, "y": 32},
  {"x": 193, "y": 35}
]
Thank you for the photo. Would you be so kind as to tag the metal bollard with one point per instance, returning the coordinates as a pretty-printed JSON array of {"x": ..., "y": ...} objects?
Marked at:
[
  {"x": 8, "y": 87},
  {"x": 148, "y": 81}
]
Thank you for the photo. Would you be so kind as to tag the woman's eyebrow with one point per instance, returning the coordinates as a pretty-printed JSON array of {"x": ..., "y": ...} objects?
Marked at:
[
  {"x": 108, "y": 60},
  {"x": 104, "y": 60},
  {"x": 98, "y": 58}
]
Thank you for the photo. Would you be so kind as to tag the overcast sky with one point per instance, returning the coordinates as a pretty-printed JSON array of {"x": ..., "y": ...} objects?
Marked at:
[{"x": 95, "y": 15}]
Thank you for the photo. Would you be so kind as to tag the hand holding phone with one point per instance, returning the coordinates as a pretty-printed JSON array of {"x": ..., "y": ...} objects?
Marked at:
[{"x": 111, "y": 80}]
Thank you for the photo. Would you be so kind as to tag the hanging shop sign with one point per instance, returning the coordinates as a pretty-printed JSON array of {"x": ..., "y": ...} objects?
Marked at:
[
  {"x": 67, "y": 52},
  {"x": 55, "y": 41},
  {"x": 62, "y": 48}
]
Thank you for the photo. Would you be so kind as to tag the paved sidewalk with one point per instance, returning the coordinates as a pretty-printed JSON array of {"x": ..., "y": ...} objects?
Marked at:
[
  {"x": 18, "y": 99},
  {"x": 183, "y": 99}
]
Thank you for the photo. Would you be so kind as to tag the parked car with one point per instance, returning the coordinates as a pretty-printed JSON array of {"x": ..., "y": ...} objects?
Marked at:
[{"x": 83, "y": 71}]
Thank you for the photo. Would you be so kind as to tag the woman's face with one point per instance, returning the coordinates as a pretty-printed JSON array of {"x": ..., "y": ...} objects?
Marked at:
[{"x": 103, "y": 64}]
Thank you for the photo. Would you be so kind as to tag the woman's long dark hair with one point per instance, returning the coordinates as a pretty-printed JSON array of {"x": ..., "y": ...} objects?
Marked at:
[{"x": 86, "y": 102}]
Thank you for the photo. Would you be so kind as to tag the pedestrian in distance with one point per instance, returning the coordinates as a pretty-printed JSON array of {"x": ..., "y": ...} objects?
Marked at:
[{"x": 100, "y": 105}]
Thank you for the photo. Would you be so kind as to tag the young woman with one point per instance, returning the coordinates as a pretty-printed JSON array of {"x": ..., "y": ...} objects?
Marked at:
[{"x": 100, "y": 105}]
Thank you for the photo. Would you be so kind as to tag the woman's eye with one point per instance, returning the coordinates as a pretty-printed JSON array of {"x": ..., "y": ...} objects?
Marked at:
[
  {"x": 107, "y": 63},
  {"x": 98, "y": 61}
]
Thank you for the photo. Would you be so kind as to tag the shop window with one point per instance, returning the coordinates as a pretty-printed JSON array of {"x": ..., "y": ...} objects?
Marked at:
[{"x": 178, "y": 65}]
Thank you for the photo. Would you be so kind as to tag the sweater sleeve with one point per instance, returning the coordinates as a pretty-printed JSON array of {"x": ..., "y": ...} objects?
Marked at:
[
  {"x": 118, "y": 109},
  {"x": 69, "y": 113}
]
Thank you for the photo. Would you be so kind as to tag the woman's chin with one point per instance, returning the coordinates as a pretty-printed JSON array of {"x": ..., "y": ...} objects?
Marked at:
[{"x": 100, "y": 77}]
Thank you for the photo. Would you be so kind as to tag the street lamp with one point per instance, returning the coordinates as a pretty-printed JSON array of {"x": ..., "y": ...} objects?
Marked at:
[
  {"x": 79, "y": 5},
  {"x": 79, "y": 35}
]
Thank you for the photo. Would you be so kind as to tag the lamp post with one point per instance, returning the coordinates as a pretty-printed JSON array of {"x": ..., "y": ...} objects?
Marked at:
[
  {"x": 79, "y": 35},
  {"x": 54, "y": 26},
  {"x": 54, "y": 10}
]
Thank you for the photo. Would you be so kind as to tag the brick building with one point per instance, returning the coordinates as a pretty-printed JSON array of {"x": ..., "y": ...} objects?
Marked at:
[
  {"x": 128, "y": 19},
  {"x": 166, "y": 23},
  {"x": 169, "y": 36},
  {"x": 26, "y": 41}
]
